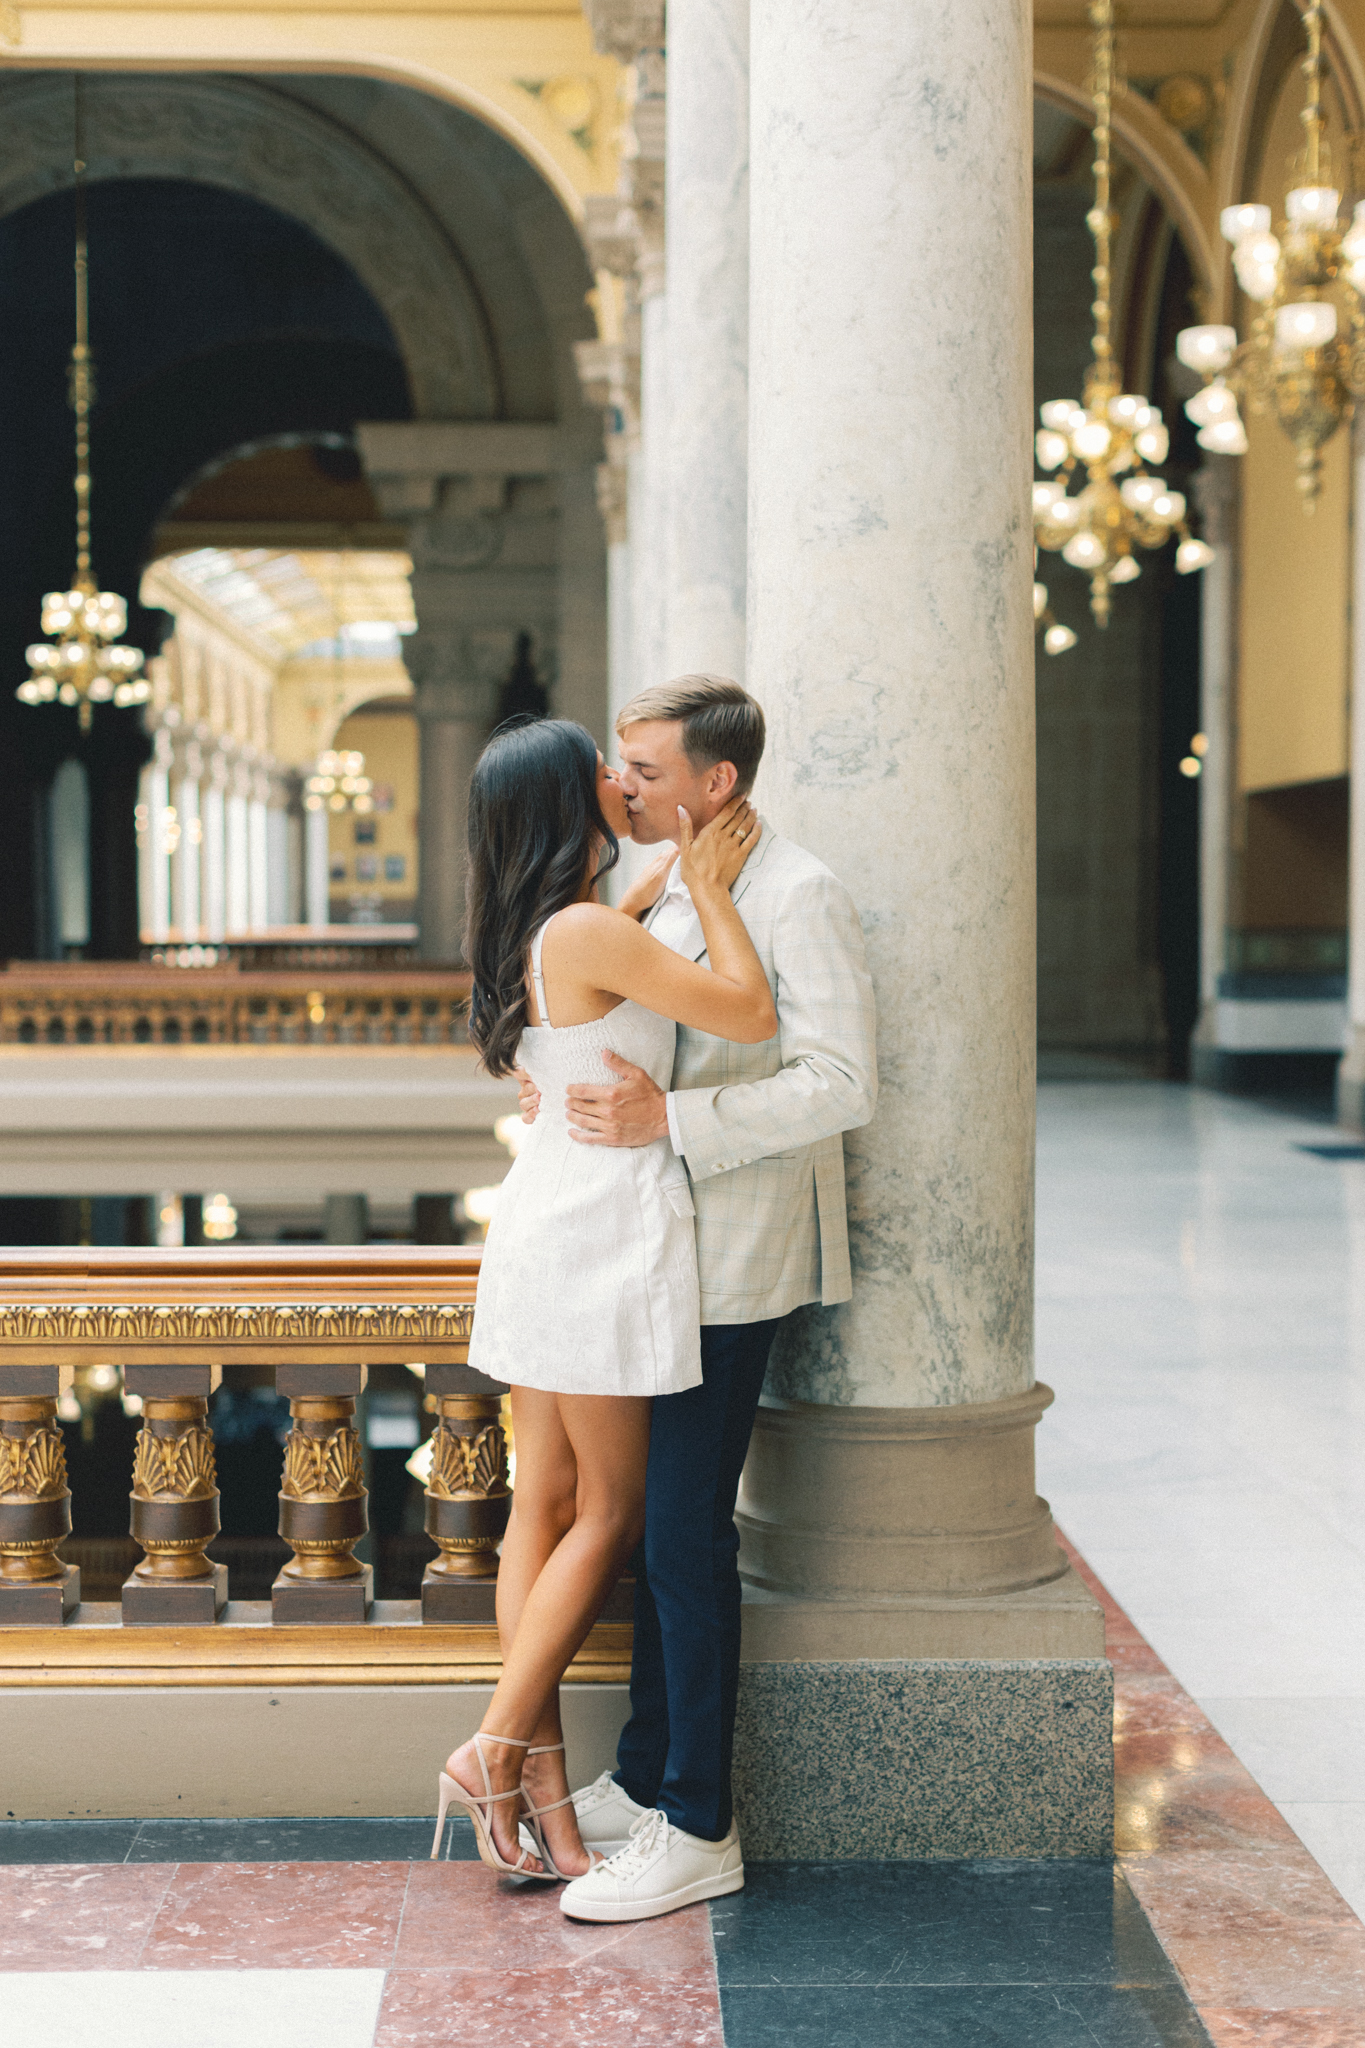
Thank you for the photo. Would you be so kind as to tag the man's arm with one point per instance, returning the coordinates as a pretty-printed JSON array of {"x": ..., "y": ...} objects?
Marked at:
[
  {"x": 827, "y": 1030},
  {"x": 827, "y": 1034}
]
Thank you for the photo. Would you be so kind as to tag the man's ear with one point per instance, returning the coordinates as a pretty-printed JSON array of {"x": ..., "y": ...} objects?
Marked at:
[{"x": 720, "y": 783}]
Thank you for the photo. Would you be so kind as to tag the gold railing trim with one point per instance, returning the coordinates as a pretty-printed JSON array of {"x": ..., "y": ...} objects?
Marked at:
[{"x": 245, "y": 1649}]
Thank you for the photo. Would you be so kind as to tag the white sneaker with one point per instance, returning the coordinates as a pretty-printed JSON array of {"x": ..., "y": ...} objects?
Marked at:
[
  {"x": 605, "y": 1815},
  {"x": 659, "y": 1870}
]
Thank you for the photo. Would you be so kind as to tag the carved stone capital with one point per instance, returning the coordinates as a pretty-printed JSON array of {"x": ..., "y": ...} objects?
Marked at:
[{"x": 622, "y": 28}]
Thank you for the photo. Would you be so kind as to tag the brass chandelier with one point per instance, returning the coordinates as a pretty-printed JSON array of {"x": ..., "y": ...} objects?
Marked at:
[
  {"x": 339, "y": 783},
  {"x": 87, "y": 665},
  {"x": 1308, "y": 281},
  {"x": 1105, "y": 441}
]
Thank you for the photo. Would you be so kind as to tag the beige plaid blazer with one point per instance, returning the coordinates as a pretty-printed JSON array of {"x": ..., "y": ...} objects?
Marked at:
[{"x": 761, "y": 1125}]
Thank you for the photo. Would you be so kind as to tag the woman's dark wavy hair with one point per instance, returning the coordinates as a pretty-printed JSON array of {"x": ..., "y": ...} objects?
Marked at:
[{"x": 534, "y": 825}]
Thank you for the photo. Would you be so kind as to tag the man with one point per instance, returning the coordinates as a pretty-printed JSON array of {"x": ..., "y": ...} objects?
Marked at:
[{"x": 759, "y": 1127}]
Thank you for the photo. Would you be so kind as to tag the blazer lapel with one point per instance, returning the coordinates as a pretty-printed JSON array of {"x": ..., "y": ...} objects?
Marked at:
[{"x": 693, "y": 946}]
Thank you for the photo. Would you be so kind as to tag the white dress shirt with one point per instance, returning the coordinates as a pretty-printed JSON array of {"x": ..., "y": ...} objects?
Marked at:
[{"x": 673, "y": 924}]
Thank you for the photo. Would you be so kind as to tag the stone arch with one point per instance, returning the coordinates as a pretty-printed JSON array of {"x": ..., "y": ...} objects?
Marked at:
[
  {"x": 244, "y": 136},
  {"x": 1170, "y": 167}
]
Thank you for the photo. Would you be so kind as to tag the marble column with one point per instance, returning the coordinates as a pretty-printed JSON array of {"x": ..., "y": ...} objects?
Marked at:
[
  {"x": 258, "y": 852},
  {"x": 891, "y": 642},
  {"x": 186, "y": 890},
  {"x": 649, "y": 487},
  {"x": 1351, "y": 1072},
  {"x": 155, "y": 878},
  {"x": 1217, "y": 492},
  {"x": 214, "y": 864},
  {"x": 238, "y": 844},
  {"x": 316, "y": 870},
  {"x": 707, "y": 292},
  {"x": 454, "y": 716}
]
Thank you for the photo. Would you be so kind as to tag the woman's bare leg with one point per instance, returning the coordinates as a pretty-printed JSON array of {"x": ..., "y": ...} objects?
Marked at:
[{"x": 577, "y": 1514}]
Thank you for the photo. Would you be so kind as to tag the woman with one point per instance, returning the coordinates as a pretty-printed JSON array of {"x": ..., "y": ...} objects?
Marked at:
[{"x": 588, "y": 1300}]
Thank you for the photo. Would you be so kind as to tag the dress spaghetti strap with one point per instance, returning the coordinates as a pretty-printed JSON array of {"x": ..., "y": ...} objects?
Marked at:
[{"x": 538, "y": 978}]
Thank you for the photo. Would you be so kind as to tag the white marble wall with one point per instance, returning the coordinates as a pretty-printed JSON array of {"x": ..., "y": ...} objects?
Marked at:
[
  {"x": 707, "y": 260},
  {"x": 649, "y": 489},
  {"x": 891, "y": 639}
]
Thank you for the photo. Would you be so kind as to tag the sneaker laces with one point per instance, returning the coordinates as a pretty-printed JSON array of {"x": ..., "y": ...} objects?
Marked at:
[
  {"x": 648, "y": 1835},
  {"x": 597, "y": 1793}
]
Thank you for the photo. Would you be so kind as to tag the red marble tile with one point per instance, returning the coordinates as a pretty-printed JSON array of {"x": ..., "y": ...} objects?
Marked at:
[
  {"x": 1145, "y": 1705},
  {"x": 1264, "y": 1931},
  {"x": 279, "y": 1916},
  {"x": 74, "y": 1916},
  {"x": 459, "y": 1916},
  {"x": 1305, "y": 2027},
  {"x": 594, "y": 2006}
]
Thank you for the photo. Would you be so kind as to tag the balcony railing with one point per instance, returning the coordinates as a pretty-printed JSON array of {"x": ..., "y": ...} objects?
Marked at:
[
  {"x": 80, "y": 1004},
  {"x": 171, "y": 1321}
]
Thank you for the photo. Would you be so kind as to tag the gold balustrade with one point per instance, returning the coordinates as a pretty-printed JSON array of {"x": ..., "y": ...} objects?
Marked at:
[
  {"x": 171, "y": 1320},
  {"x": 79, "y": 1003}
]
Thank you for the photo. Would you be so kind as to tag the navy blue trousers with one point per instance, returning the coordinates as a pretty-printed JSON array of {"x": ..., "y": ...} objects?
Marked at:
[{"x": 676, "y": 1748}]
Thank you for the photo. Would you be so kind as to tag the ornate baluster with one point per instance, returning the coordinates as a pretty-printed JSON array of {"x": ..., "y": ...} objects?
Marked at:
[
  {"x": 174, "y": 1499},
  {"x": 36, "y": 1589},
  {"x": 468, "y": 1500},
  {"x": 324, "y": 1505}
]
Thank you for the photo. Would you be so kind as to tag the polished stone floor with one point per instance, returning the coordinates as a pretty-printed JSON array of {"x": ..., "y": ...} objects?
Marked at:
[
  {"x": 1201, "y": 1315},
  {"x": 324, "y": 1934}
]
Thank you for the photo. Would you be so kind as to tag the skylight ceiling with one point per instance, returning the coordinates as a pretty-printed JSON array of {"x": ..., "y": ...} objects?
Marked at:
[{"x": 303, "y": 600}]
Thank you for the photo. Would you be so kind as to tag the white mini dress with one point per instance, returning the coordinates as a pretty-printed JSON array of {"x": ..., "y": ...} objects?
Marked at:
[{"x": 588, "y": 1283}]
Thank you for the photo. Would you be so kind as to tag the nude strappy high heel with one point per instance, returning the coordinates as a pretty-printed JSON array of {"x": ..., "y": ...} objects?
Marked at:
[
  {"x": 532, "y": 1815},
  {"x": 479, "y": 1807}
]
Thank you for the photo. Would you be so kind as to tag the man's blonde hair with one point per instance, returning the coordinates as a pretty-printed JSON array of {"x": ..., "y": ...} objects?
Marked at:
[{"x": 720, "y": 721}]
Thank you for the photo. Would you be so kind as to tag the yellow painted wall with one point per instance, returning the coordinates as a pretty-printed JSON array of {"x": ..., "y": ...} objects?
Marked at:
[
  {"x": 389, "y": 743},
  {"x": 1295, "y": 585}
]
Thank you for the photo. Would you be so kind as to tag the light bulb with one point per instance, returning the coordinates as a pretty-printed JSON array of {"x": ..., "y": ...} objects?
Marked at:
[
  {"x": 1257, "y": 264},
  {"x": 1140, "y": 492},
  {"x": 1039, "y": 600},
  {"x": 1192, "y": 555},
  {"x": 1065, "y": 513},
  {"x": 1214, "y": 402},
  {"x": 1206, "y": 348},
  {"x": 1309, "y": 323},
  {"x": 1356, "y": 274},
  {"x": 1045, "y": 497},
  {"x": 1237, "y": 222},
  {"x": 1153, "y": 444},
  {"x": 1169, "y": 508},
  {"x": 1060, "y": 414},
  {"x": 1092, "y": 439},
  {"x": 1084, "y": 551},
  {"x": 1125, "y": 570},
  {"x": 1192, "y": 767},
  {"x": 1057, "y": 639},
  {"x": 1051, "y": 448},
  {"x": 1224, "y": 437},
  {"x": 68, "y": 694},
  {"x": 1312, "y": 206},
  {"x": 1124, "y": 410},
  {"x": 101, "y": 689}
]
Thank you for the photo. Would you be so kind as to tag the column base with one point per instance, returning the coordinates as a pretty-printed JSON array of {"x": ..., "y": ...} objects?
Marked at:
[
  {"x": 178, "y": 1603},
  {"x": 322, "y": 1603},
  {"x": 1351, "y": 1082},
  {"x": 886, "y": 1759},
  {"x": 1059, "y": 1619},
  {"x": 40, "y": 1603}
]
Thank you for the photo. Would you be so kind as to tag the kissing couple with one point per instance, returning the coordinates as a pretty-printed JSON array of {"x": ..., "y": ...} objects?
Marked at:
[{"x": 690, "y": 1059}]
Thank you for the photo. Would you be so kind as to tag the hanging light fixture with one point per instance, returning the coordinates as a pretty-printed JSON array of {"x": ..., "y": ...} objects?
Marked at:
[
  {"x": 87, "y": 665},
  {"x": 1111, "y": 433},
  {"x": 339, "y": 783},
  {"x": 1309, "y": 282},
  {"x": 1057, "y": 638}
]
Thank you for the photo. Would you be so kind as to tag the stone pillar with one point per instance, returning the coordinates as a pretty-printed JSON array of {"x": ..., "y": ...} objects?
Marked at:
[
  {"x": 481, "y": 506},
  {"x": 214, "y": 859},
  {"x": 238, "y": 842},
  {"x": 888, "y": 1509},
  {"x": 258, "y": 851},
  {"x": 1351, "y": 1072},
  {"x": 1216, "y": 488},
  {"x": 155, "y": 890},
  {"x": 707, "y": 266},
  {"x": 316, "y": 870},
  {"x": 186, "y": 889}
]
